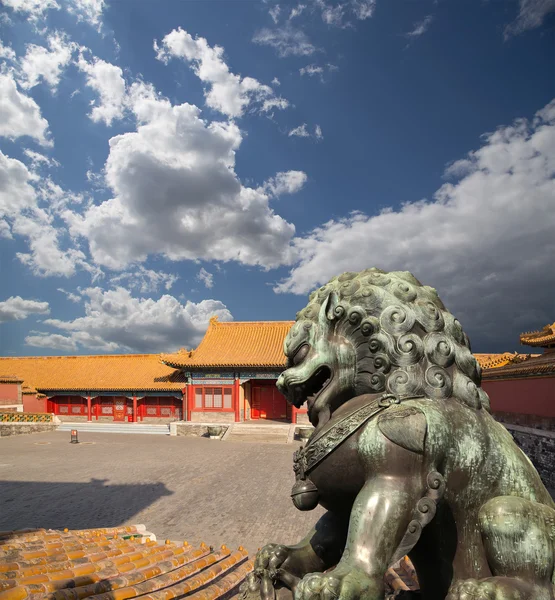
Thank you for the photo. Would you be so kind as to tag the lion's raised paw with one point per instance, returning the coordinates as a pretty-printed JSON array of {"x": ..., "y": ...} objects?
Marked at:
[{"x": 497, "y": 588}]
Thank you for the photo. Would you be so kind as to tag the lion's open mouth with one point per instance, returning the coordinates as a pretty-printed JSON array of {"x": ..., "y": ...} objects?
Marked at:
[{"x": 311, "y": 389}]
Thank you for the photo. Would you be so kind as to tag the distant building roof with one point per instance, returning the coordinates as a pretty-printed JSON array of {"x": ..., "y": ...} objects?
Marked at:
[
  {"x": 236, "y": 344},
  {"x": 101, "y": 373},
  {"x": 539, "y": 365},
  {"x": 543, "y": 338}
]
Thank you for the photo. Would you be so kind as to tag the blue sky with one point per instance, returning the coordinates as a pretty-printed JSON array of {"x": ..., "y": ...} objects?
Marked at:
[{"x": 164, "y": 161}]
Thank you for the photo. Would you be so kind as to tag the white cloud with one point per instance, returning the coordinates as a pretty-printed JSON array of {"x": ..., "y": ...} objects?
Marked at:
[
  {"x": 206, "y": 278},
  {"x": 296, "y": 11},
  {"x": 532, "y": 14},
  {"x": 5, "y": 230},
  {"x": 39, "y": 160},
  {"x": 420, "y": 27},
  {"x": 16, "y": 309},
  {"x": 228, "y": 93},
  {"x": 286, "y": 182},
  {"x": 276, "y": 81},
  {"x": 287, "y": 41},
  {"x": 46, "y": 257},
  {"x": 70, "y": 295},
  {"x": 19, "y": 114},
  {"x": 319, "y": 71},
  {"x": 107, "y": 81},
  {"x": 311, "y": 70},
  {"x": 146, "y": 280},
  {"x": 485, "y": 242},
  {"x": 34, "y": 8},
  {"x": 46, "y": 64},
  {"x": 89, "y": 11},
  {"x": 54, "y": 341},
  {"x": 85, "y": 10},
  {"x": 300, "y": 131},
  {"x": 115, "y": 320},
  {"x": 16, "y": 191},
  {"x": 7, "y": 52},
  {"x": 274, "y": 12},
  {"x": 335, "y": 14},
  {"x": 174, "y": 185}
]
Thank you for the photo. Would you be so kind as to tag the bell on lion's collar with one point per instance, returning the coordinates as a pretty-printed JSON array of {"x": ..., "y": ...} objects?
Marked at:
[{"x": 304, "y": 495}]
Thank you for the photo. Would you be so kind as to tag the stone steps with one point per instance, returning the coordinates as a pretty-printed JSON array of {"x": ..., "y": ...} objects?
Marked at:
[
  {"x": 147, "y": 428},
  {"x": 248, "y": 432}
]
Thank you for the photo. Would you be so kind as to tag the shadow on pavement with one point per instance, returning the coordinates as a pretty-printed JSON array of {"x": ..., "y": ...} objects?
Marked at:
[{"x": 52, "y": 505}]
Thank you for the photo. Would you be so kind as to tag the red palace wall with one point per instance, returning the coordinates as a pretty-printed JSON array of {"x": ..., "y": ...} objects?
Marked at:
[
  {"x": 530, "y": 400},
  {"x": 9, "y": 393},
  {"x": 32, "y": 404}
]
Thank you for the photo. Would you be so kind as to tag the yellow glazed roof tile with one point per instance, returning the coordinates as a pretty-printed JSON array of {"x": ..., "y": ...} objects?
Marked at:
[
  {"x": 108, "y": 372},
  {"x": 236, "y": 344},
  {"x": 545, "y": 337}
]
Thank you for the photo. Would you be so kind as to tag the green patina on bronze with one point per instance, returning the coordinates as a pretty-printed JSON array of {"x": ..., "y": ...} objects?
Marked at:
[{"x": 431, "y": 475}]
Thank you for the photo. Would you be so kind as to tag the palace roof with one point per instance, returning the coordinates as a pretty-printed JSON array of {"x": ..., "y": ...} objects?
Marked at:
[
  {"x": 236, "y": 344},
  {"x": 495, "y": 361},
  {"x": 125, "y": 372},
  {"x": 539, "y": 365},
  {"x": 543, "y": 338}
]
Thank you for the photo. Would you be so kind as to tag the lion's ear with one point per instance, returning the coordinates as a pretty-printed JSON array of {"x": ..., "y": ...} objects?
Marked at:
[
  {"x": 405, "y": 427},
  {"x": 327, "y": 312}
]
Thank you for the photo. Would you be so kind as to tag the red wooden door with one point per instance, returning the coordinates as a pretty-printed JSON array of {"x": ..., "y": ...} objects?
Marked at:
[
  {"x": 267, "y": 402},
  {"x": 120, "y": 406}
]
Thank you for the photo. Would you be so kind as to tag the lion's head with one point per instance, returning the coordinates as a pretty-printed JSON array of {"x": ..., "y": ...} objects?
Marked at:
[{"x": 371, "y": 332}]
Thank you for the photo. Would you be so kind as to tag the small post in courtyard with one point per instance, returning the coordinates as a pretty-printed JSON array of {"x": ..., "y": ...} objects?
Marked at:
[
  {"x": 236, "y": 398},
  {"x": 74, "y": 437}
]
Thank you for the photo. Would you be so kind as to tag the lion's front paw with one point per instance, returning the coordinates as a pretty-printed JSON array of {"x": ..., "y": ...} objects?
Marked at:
[
  {"x": 270, "y": 558},
  {"x": 496, "y": 588},
  {"x": 347, "y": 583}
]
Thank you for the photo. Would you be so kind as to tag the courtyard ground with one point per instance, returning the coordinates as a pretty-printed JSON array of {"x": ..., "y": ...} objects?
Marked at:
[{"x": 193, "y": 489}]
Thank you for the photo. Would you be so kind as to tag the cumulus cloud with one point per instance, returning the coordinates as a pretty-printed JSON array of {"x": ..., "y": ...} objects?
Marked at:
[
  {"x": 532, "y": 13},
  {"x": 174, "y": 185},
  {"x": 115, "y": 320},
  {"x": 7, "y": 52},
  {"x": 485, "y": 241},
  {"x": 145, "y": 280},
  {"x": 286, "y": 182},
  {"x": 318, "y": 133},
  {"x": 296, "y": 11},
  {"x": 46, "y": 64},
  {"x": 85, "y": 10},
  {"x": 89, "y": 11},
  {"x": 47, "y": 256},
  {"x": 205, "y": 277},
  {"x": 286, "y": 41},
  {"x": 16, "y": 308},
  {"x": 19, "y": 114},
  {"x": 35, "y": 9},
  {"x": 317, "y": 70},
  {"x": 107, "y": 81},
  {"x": 227, "y": 93},
  {"x": 16, "y": 191}
]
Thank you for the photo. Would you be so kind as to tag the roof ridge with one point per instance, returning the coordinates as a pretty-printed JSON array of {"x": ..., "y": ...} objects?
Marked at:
[{"x": 73, "y": 356}]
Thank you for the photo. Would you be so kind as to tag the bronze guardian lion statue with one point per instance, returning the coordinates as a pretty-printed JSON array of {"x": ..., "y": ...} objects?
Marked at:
[{"x": 405, "y": 456}]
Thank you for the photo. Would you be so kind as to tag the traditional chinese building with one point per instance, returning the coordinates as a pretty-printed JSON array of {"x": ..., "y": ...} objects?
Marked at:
[
  {"x": 232, "y": 374},
  {"x": 229, "y": 377},
  {"x": 522, "y": 387}
]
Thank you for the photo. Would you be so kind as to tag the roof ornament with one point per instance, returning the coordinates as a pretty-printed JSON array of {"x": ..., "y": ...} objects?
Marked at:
[{"x": 213, "y": 320}]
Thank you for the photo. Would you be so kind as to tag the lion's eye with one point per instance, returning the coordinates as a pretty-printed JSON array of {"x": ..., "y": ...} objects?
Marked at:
[{"x": 300, "y": 355}]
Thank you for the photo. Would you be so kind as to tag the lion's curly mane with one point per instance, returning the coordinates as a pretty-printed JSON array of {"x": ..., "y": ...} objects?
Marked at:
[{"x": 406, "y": 341}]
